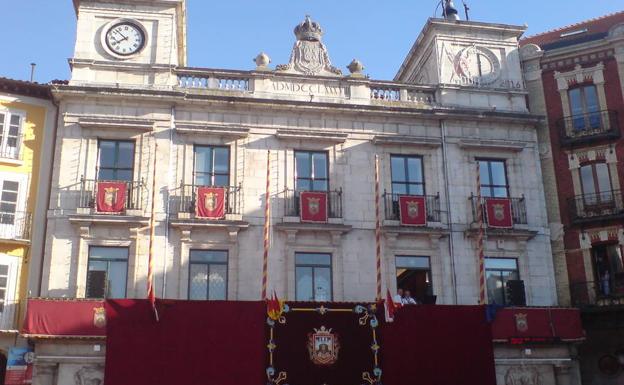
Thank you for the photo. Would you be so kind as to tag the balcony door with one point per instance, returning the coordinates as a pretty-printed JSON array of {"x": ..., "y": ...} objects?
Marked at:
[
  {"x": 10, "y": 132},
  {"x": 609, "y": 269},
  {"x": 211, "y": 166},
  {"x": 115, "y": 160},
  {"x": 584, "y": 107},
  {"x": 311, "y": 171},
  {"x": 8, "y": 280},
  {"x": 596, "y": 185},
  {"x": 493, "y": 176}
]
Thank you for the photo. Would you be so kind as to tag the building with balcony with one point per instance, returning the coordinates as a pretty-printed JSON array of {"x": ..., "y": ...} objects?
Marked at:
[
  {"x": 27, "y": 121},
  {"x": 138, "y": 128},
  {"x": 575, "y": 77}
]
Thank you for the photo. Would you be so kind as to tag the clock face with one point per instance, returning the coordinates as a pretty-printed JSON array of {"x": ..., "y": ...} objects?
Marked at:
[
  {"x": 477, "y": 65},
  {"x": 125, "y": 38}
]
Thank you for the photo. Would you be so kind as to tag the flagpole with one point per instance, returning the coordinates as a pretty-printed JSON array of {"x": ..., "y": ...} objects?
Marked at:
[
  {"x": 377, "y": 228},
  {"x": 267, "y": 212},
  {"x": 151, "y": 295},
  {"x": 479, "y": 209}
]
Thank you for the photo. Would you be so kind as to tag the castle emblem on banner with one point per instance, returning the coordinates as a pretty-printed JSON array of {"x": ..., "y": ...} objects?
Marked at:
[
  {"x": 314, "y": 205},
  {"x": 413, "y": 209},
  {"x": 110, "y": 196},
  {"x": 99, "y": 317},
  {"x": 522, "y": 323},
  {"x": 210, "y": 201},
  {"x": 499, "y": 211},
  {"x": 323, "y": 346}
]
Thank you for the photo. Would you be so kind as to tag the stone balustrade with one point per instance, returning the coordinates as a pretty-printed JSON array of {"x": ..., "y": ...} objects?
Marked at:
[{"x": 353, "y": 90}]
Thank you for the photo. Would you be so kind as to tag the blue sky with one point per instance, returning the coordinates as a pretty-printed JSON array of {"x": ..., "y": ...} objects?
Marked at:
[{"x": 229, "y": 34}]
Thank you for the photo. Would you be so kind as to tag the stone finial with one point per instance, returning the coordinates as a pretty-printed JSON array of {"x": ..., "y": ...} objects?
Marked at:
[
  {"x": 262, "y": 62},
  {"x": 356, "y": 67}
]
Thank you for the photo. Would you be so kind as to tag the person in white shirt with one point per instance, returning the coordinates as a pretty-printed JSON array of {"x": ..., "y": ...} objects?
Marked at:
[
  {"x": 398, "y": 298},
  {"x": 408, "y": 300}
]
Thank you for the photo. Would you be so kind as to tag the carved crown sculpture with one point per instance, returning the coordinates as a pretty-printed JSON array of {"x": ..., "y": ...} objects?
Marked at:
[
  {"x": 309, "y": 30},
  {"x": 309, "y": 55}
]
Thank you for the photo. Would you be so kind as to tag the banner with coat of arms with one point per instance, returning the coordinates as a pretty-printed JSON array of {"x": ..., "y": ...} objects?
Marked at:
[
  {"x": 313, "y": 206},
  {"x": 210, "y": 202},
  {"x": 413, "y": 210},
  {"x": 498, "y": 213},
  {"x": 323, "y": 343},
  {"x": 111, "y": 196}
]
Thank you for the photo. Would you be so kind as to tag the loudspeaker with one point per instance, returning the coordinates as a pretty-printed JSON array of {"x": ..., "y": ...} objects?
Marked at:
[{"x": 514, "y": 293}]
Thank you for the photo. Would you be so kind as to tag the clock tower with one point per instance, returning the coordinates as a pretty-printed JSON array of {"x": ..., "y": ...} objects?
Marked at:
[
  {"x": 128, "y": 42},
  {"x": 474, "y": 64}
]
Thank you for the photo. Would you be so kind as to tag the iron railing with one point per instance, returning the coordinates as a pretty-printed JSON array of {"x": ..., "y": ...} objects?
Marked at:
[
  {"x": 589, "y": 127},
  {"x": 15, "y": 225},
  {"x": 184, "y": 199},
  {"x": 334, "y": 203},
  {"x": 518, "y": 209},
  {"x": 588, "y": 207},
  {"x": 88, "y": 194},
  {"x": 391, "y": 202},
  {"x": 609, "y": 292}
]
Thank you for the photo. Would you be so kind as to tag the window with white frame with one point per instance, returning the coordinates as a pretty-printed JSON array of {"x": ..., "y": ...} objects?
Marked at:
[
  {"x": 8, "y": 274},
  {"x": 14, "y": 222},
  {"x": 10, "y": 134}
]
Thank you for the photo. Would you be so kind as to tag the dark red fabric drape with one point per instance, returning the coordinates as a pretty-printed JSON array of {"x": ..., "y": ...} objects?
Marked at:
[
  {"x": 438, "y": 345},
  {"x": 195, "y": 342},
  {"x": 355, "y": 356}
]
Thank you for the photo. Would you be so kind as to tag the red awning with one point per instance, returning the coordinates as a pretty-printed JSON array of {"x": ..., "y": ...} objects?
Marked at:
[
  {"x": 519, "y": 325},
  {"x": 63, "y": 318}
]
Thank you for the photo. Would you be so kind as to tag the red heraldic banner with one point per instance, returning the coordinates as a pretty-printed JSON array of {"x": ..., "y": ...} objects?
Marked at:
[
  {"x": 210, "y": 202},
  {"x": 313, "y": 206},
  {"x": 498, "y": 213},
  {"x": 413, "y": 210},
  {"x": 111, "y": 196}
]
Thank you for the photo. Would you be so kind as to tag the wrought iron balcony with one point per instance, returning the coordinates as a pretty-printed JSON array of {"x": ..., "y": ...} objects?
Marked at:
[
  {"x": 391, "y": 202},
  {"x": 184, "y": 199},
  {"x": 600, "y": 206},
  {"x": 292, "y": 203},
  {"x": 598, "y": 293},
  {"x": 15, "y": 225},
  {"x": 88, "y": 194},
  {"x": 589, "y": 127},
  {"x": 518, "y": 209}
]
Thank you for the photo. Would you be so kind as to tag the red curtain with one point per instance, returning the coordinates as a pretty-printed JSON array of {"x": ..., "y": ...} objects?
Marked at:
[
  {"x": 438, "y": 345},
  {"x": 195, "y": 342},
  {"x": 313, "y": 206},
  {"x": 111, "y": 196},
  {"x": 211, "y": 202},
  {"x": 413, "y": 210}
]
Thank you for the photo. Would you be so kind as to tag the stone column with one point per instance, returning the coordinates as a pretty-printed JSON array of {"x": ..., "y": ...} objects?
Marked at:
[
  {"x": 562, "y": 374},
  {"x": 45, "y": 374}
]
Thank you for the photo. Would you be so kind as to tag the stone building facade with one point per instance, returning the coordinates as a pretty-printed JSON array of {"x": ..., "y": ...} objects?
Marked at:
[
  {"x": 134, "y": 113},
  {"x": 575, "y": 76}
]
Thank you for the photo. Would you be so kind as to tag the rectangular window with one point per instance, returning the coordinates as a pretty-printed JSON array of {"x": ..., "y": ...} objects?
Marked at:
[
  {"x": 313, "y": 275},
  {"x": 609, "y": 269},
  {"x": 211, "y": 166},
  {"x": 413, "y": 275},
  {"x": 208, "y": 275},
  {"x": 584, "y": 107},
  {"x": 8, "y": 201},
  {"x": 493, "y": 178},
  {"x": 116, "y": 160},
  {"x": 311, "y": 171},
  {"x": 107, "y": 272},
  {"x": 407, "y": 175},
  {"x": 596, "y": 183},
  {"x": 497, "y": 272},
  {"x": 10, "y": 130},
  {"x": 4, "y": 279}
]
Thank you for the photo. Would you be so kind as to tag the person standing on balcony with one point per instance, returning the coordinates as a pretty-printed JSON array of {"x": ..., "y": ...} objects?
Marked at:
[{"x": 604, "y": 281}]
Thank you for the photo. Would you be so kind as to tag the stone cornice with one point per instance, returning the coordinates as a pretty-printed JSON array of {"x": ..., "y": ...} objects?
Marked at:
[
  {"x": 223, "y": 130},
  {"x": 318, "y": 135},
  {"x": 406, "y": 140}
]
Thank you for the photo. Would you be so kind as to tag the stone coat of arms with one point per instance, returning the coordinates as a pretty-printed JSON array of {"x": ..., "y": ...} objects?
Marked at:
[{"x": 323, "y": 346}]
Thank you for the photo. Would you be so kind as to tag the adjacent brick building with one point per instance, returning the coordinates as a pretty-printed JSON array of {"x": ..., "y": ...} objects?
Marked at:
[{"x": 575, "y": 76}]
